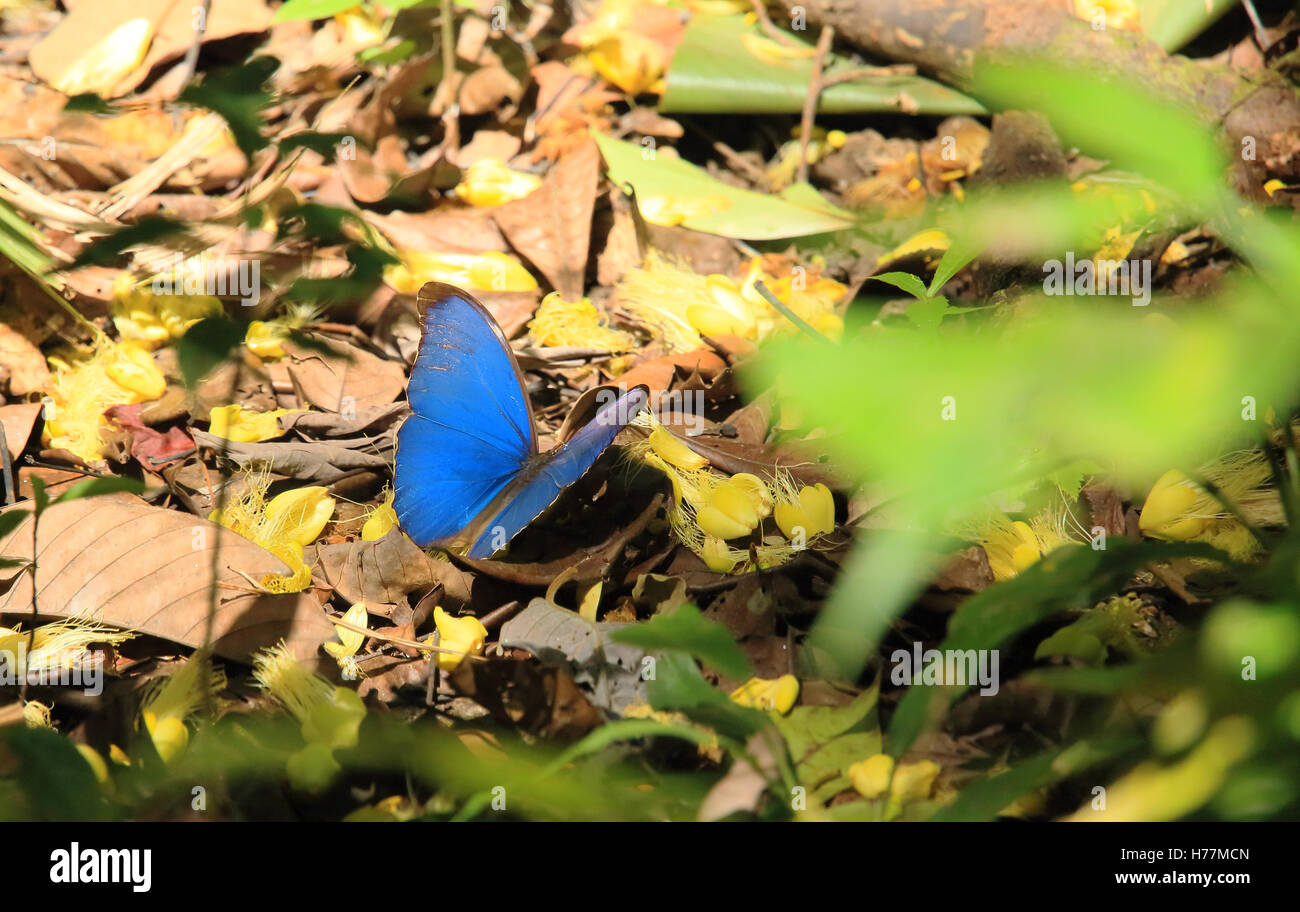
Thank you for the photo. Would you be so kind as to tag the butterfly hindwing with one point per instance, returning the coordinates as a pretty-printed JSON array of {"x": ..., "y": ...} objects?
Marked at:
[
  {"x": 556, "y": 471},
  {"x": 471, "y": 430}
]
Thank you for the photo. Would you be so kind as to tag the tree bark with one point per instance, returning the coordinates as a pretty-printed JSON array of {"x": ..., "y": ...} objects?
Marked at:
[{"x": 945, "y": 38}]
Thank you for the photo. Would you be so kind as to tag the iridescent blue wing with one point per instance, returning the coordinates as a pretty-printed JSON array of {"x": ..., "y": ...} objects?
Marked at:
[
  {"x": 471, "y": 430},
  {"x": 548, "y": 475}
]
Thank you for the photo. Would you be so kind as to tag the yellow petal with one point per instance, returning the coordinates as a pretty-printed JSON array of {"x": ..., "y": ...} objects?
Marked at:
[
  {"x": 134, "y": 369},
  {"x": 263, "y": 339},
  {"x": 671, "y": 450},
  {"x": 777, "y": 694},
  {"x": 1168, "y": 508},
  {"x": 169, "y": 735},
  {"x": 300, "y": 515},
  {"x": 378, "y": 524},
  {"x": 717, "y": 523},
  {"x": 717, "y": 555},
  {"x": 759, "y": 494},
  {"x": 349, "y": 640},
  {"x": 95, "y": 762},
  {"x": 734, "y": 501},
  {"x": 931, "y": 239},
  {"x": 234, "y": 423},
  {"x": 871, "y": 777},
  {"x": 463, "y": 634}
]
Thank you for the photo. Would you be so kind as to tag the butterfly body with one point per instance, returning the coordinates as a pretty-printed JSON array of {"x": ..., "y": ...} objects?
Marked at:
[{"x": 468, "y": 468}]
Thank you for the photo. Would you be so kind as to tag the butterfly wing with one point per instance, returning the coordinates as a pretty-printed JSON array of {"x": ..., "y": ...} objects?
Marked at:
[
  {"x": 471, "y": 430},
  {"x": 536, "y": 490}
]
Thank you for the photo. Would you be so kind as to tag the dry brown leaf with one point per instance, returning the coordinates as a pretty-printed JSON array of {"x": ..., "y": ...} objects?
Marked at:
[
  {"x": 552, "y": 225},
  {"x": 18, "y": 420},
  {"x": 23, "y": 362},
  {"x": 344, "y": 377},
  {"x": 173, "y": 23},
  {"x": 120, "y": 561},
  {"x": 386, "y": 570}
]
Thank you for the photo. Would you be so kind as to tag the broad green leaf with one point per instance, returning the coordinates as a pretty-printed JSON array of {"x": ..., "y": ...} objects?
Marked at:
[
  {"x": 714, "y": 71},
  {"x": 1068, "y": 578},
  {"x": 56, "y": 780},
  {"x": 904, "y": 281},
  {"x": 678, "y": 685},
  {"x": 1173, "y": 23},
  {"x": 688, "y": 630},
  {"x": 294, "y": 10},
  {"x": 733, "y": 212},
  {"x": 12, "y": 519}
]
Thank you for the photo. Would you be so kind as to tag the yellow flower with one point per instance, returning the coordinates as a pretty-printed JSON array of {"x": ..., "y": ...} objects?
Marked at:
[
  {"x": 489, "y": 182},
  {"x": 814, "y": 513},
  {"x": 1170, "y": 507},
  {"x": 62, "y": 643},
  {"x": 1011, "y": 548},
  {"x": 83, "y": 388},
  {"x": 728, "y": 511},
  {"x": 465, "y": 635},
  {"x": 758, "y": 493},
  {"x": 169, "y": 704},
  {"x": 491, "y": 271},
  {"x": 36, "y": 714},
  {"x": 284, "y": 526},
  {"x": 717, "y": 555},
  {"x": 233, "y": 423},
  {"x": 379, "y": 522},
  {"x": 908, "y": 782},
  {"x": 668, "y": 447},
  {"x": 349, "y": 640},
  {"x": 871, "y": 777},
  {"x": 575, "y": 323},
  {"x": 150, "y": 320},
  {"x": 778, "y": 694},
  {"x": 330, "y": 716},
  {"x": 263, "y": 339}
]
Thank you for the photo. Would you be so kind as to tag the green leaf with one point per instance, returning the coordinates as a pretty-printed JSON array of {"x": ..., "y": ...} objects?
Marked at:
[
  {"x": 678, "y": 685},
  {"x": 205, "y": 345},
  {"x": 94, "y": 487},
  {"x": 40, "y": 497},
  {"x": 294, "y": 10},
  {"x": 954, "y": 258},
  {"x": 686, "y": 629},
  {"x": 823, "y": 741},
  {"x": 748, "y": 215},
  {"x": 55, "y": 778},
  {"x": 713, "y": 72},
  {"x": 239, "y": 95},
  {"x": 1067, "y": 578},
  {"x": 904, "y": 281},
  {"x": 1173, "y": 23},
  {"x": 11, "y": 519}
]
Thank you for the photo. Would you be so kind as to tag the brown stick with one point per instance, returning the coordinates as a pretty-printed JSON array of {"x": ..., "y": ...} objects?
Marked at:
[{"x": 810, "y": 100}]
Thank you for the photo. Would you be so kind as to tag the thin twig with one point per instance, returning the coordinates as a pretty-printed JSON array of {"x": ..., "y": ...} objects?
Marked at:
[
  {"x": 1261, "y": 37},
  {"x": 10, "y": 496},
  {"x": 192, "y": 55},
  {"x": 810, "y": 100},
  {"x": 765, "y": 23},
  {"x": 897, "y": 69}
]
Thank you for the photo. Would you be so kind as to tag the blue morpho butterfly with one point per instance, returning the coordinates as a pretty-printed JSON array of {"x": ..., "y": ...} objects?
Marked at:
[{"x": 468, "y": 470}]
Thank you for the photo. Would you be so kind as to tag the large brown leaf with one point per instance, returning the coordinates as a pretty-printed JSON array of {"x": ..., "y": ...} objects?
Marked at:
[
  {"x": 121, "y": 561},
  {"x": 552, "y": 225}
]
